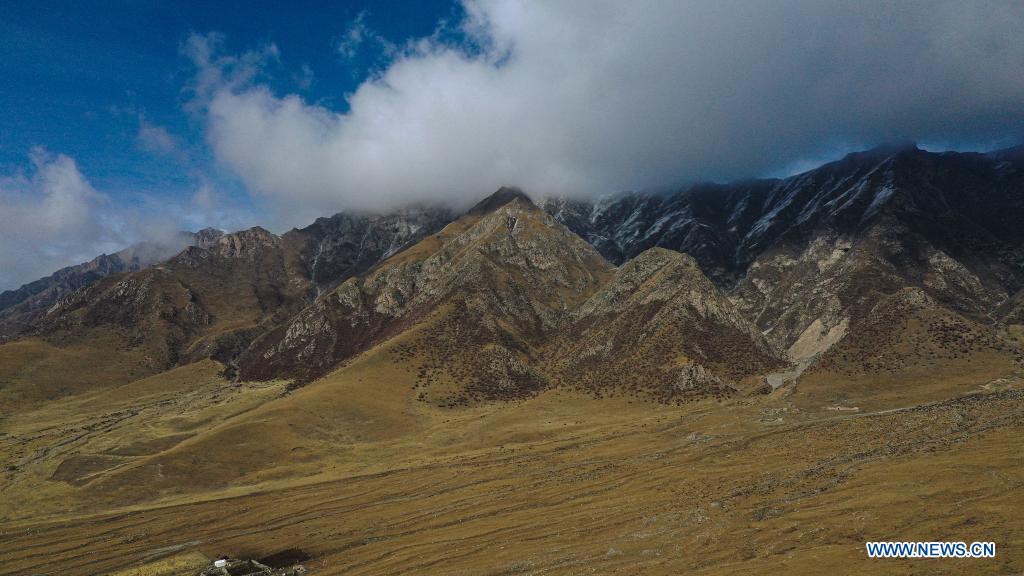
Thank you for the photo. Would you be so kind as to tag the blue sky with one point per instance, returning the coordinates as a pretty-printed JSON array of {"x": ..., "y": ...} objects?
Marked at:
[
  {"x": 80, "y": 78},
  {"x": 125, "y": 121}
]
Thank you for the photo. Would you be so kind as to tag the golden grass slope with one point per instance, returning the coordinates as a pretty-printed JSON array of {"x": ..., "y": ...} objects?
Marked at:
[
  {"x": 33, "y": 371},
  {"x": 908, "y": 349},
  {"x": 357, "y": 471},
  {"x": 54, "y": 453},
  {"x": 566, "y": 484}
]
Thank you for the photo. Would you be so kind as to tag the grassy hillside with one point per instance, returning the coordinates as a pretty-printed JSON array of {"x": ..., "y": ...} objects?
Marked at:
[{"x": 560, "y": 483}]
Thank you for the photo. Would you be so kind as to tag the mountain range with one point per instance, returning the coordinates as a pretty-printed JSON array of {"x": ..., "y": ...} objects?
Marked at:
[
  {"x": 895, "y": 244},
  {"x": 890, "y": 278}
]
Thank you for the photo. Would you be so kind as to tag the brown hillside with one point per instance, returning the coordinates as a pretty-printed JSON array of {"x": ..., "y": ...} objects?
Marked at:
[{"x": 660, "y": 328}]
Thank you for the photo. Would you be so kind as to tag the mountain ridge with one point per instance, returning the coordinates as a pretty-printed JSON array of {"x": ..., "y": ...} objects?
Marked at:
[{"x": 796, "y": 265}]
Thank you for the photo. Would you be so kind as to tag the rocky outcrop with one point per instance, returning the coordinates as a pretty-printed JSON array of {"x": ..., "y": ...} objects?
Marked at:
[
  {"x": 963, "y": 203},
  {"x": 344, "y": 245},
  {"x": 659, "y": 327}
]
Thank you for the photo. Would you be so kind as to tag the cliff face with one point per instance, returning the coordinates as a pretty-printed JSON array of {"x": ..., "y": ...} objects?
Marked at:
[
  {"x": 343, "y": 245},
  {"x": 962, "y": 203}
]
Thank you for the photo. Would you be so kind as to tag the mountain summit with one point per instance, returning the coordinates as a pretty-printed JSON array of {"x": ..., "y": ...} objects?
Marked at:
[
  {"x": 487, "y": 288},
  {"x": 502, "y": 196}
]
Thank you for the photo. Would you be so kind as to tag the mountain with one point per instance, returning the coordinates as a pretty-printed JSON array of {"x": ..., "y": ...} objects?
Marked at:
[
  {"x": 210, "y": 300},
  {"x": 781, "y": 269},
  {"x": 659, "y": 327},
  {"x": 498, "y": 308},
  {"x": 505, "y": 302},
  {"x": 332, "y": 249},
  {"x": 336, "y": 248},
  {"x": 811, "y": 257},
  {"x": 480, "y": 294},
  {"x": 205, "y": 301},
  {"x": 19, "y": 307},
  {"x": 964, "y": 203}
]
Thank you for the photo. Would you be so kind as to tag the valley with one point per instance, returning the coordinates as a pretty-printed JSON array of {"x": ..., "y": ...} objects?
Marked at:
[{"x": 563, "y": 483}]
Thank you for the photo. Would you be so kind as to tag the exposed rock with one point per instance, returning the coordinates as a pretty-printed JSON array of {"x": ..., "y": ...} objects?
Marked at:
[
  {"x": 660, "y": 328},
  {"x": 483, "y": 288},
  {"x": 337, "y": 248},
  {"x": 822, "y": 245}
]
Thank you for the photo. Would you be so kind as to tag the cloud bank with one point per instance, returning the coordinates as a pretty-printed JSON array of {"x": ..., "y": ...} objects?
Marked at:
[
  {"x": 51, "y": 216},
  {"x": 601, "y": 96}
]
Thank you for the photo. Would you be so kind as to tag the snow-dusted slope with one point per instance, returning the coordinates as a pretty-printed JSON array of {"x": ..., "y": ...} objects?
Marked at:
[
  {"x": 813, "y": 251},
  {"x": 966, "y": 204}
]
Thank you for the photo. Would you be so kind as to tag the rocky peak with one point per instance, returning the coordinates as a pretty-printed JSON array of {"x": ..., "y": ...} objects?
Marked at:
[
  {"x": 207, "y": 237},
  {"x": 507, "y": 274},
  {"x": 501, "y": 197},
  {"x": 245, "y": 243},
  {"x": 348, "y": 244}
]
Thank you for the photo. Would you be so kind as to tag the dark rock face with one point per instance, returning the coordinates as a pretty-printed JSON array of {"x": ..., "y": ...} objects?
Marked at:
[
  {"x": 337, "y": 248},
  {"x": 964, "y": 204},
  {"x": 704, "y": 221},
  {"x": 822, "y": 245}
]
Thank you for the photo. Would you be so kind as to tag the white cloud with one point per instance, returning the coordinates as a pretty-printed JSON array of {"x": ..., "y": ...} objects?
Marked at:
[
  {"x": 358, "y": 36},
  {"x": 209, "y": 206},
  {"x": 353, "y": 38},
  {"x": 305, "y": 78},
  {"x": 51, "y": 216},
  {"x": 601, "y": 96},
  {"x": 156, "y": 139},
  {"x": 217, "y": 71}
]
